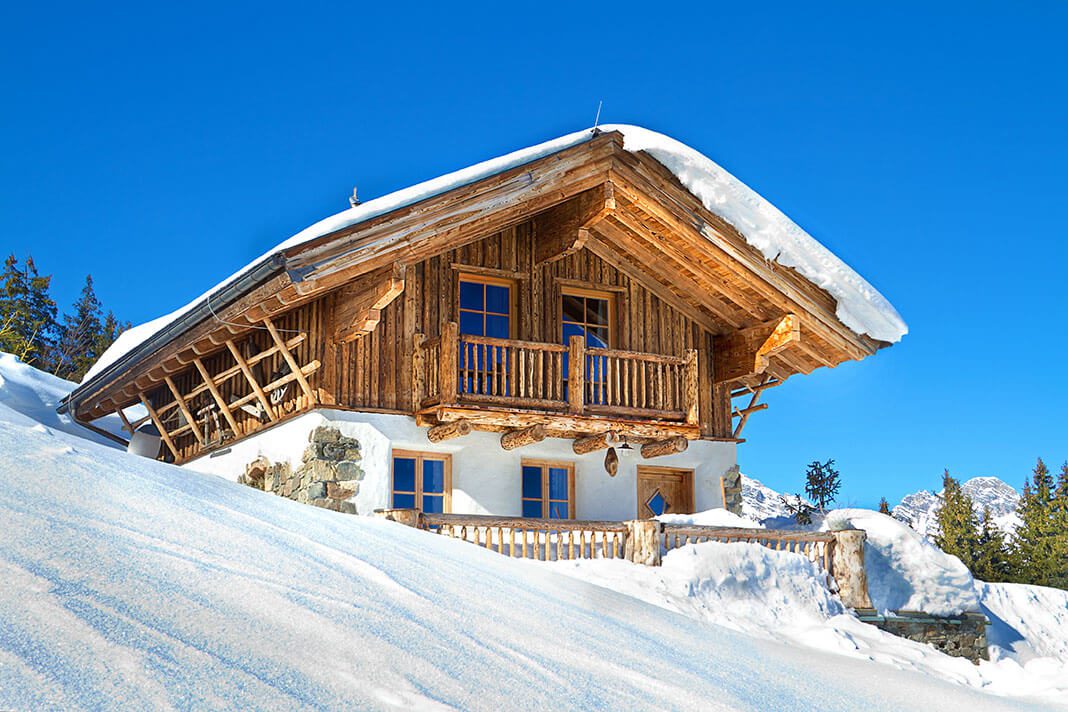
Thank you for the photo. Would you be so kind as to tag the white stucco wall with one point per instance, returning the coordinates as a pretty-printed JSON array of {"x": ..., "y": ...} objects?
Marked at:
[{"x": 485, "y": 478}]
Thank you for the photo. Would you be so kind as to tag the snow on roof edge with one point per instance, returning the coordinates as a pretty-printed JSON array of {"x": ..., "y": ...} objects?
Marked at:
[{"x": 859, "y": 305}]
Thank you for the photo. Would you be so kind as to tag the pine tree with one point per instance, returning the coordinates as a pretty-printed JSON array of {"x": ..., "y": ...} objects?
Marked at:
[
  {"x": 822, "y": 483},
  {"x": 884, "y": 506},
  {"x": 27, "y": 313},
  {"x": 992, "y": 559},
  {"x": 797, "y": 508},
  {"x": 958, "y": 526},
  {"x": 1038, "y": 549},
  {"x": 80, "y": 336}
]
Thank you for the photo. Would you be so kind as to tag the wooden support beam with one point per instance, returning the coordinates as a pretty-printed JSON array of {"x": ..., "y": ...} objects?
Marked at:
[
  {"x": 743, "y": 413},
  {"x": 671, "y": 446},
  {"x": 219, "y": 400},
  {"x": 592, "y": 443},
  {"x": 280, "y": 344},
  {"x": 526, "y": 436},
  {"x": 576, "y": 375},
  {"x": 564, "y": 229},
  {"x": 159, "y": 426},
  {"x": 448, "y": 355},
  {"x": 748, "y": 352},
  {"x": 126, "y": 425},
  {"x": 691, "y": 396},
  {"x": 447, "y": 431},
  {"x": 252, "y": 382},
  {"x": 358, "y": 306},
  {"x": 183, "y": 408}
]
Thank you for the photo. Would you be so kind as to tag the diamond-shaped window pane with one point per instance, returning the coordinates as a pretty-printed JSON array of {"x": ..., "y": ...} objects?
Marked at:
[{"x": 657, "y": 504}]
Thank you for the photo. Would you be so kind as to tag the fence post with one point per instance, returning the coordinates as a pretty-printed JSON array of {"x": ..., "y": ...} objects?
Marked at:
[
  {"x": 576, "y": 375},
  {"x": 447, "y": 368},
  {"x": 847, "y": 568},
  {"x": 407, "y": 517},
  {"x": 643, "y": 541}
]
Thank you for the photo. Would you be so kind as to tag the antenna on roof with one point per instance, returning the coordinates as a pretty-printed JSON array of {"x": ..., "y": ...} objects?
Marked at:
[
  {"x": 597, "y": 118},
  {"x": 353, "y": 199}
]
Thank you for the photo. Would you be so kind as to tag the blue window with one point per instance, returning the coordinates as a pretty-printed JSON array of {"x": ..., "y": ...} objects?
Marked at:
[
  {"x": 422, "y": 480},
  {"x": 589, "y": 315},
  {"x": 485, "y": 307},
  {"x": 548, "y": 490}
]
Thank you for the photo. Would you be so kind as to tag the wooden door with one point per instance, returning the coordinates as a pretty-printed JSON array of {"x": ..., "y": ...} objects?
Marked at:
[{"x": 664, "y": 490}]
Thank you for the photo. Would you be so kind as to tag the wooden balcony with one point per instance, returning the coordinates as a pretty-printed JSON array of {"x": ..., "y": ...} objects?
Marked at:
[{"x": 503, "y": 384}]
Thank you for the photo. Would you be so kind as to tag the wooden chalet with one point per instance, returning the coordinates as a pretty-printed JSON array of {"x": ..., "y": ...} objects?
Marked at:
[{"x": 528, "y": 319}]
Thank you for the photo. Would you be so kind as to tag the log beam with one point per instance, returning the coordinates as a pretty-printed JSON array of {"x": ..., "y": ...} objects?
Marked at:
[
  {"x": 592, "y": 443},
  {"x": 565, "y": 229},
  {"x": 160, "y": 427},
  {"x": 447, "y": 431},
  {"x": 748, "y": 352},
  {"x": 252, "y": 382},
  {"x": 280, "y": 344},
  {"x": 671, "y": 446},
  {"x": 183, "y": 408},
  {"x": 525, "y": 436},
  {"x": 359, "y": 305},
  {"x": 209, "y": 382}
]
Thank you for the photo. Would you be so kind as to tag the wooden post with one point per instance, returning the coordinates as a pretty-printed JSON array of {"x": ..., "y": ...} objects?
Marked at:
[
  {"x": 592, "y": 443},
  {"x": 670, "y": 446},
  {"x": 576, "y": 375},
  {"x": 847, "y": 568},
  {"x": 418, "y": 371},
  {"x": 447, "y": 431},
  {"x": 184, "y": 409},
  {"x": 293, "y": 365},
  {"x": 407, "y": 517},
  {"x": 526, "y": 436},
  {"x": 643, "y": 541},
  {"x": 160, "y": 427},
  {"x": 256, "y": 388},
  {"x": 447, "y": 367},
  {"x": 692, "y": 397},
  {"x": 219, "y": 401}
]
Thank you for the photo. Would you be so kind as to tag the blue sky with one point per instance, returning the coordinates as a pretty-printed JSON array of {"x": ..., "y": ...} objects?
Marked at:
[{"x": 161, "y": 147}]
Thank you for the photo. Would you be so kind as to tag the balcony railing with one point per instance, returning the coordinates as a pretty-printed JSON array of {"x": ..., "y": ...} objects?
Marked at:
[{"x": 458, "y": 369}]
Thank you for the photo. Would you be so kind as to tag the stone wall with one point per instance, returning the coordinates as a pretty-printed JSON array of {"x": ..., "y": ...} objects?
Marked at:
[
  {"x": 962, "y": 636},
  {"x": 329, "y": 475},
  {"x": 732, "y": 490}
]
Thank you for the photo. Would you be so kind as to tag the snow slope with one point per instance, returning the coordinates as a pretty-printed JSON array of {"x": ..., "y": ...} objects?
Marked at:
[
  {"x": 859, "y": 305},
  {"x": 35, "y": 394},
  {"x": 920, "y": 508},
  {"x": 130, "y": 583}
]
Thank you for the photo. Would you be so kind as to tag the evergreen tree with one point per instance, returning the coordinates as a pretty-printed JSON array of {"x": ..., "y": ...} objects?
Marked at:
[
  {"x": 884, "y": 506},
  {"x": 1040, "y": 555},
  {"x": 958, "y": 526},
  {"x": 992, "y": 559},
  {"x": 822, "y": 483},
  {"x": 80, "y": 336},
  {"x": 27, "y": 313}
]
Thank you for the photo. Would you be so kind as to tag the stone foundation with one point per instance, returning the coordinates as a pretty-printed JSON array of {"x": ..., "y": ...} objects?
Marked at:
[
  {"x": 328, "y": 477},
  {"x": 962, "y": 636}
]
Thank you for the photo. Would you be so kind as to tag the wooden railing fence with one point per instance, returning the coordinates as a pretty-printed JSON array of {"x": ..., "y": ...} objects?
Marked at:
[
  {"x": 840, "y": 553},
  {"x": 573, "y": 378}
]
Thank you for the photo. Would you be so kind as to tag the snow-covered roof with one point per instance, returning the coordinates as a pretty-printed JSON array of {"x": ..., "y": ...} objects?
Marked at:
[{"x": 859, "y": 305}]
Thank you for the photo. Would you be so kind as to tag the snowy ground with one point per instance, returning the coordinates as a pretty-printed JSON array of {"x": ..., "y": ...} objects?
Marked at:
[{"x": 130, "y": 583}]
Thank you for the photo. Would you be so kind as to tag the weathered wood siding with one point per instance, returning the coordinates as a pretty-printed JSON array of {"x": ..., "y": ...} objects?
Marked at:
[{"x": 374, "y": 371}]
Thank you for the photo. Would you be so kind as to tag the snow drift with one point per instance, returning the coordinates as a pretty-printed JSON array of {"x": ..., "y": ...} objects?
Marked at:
[{"x": 859, "y": 305}]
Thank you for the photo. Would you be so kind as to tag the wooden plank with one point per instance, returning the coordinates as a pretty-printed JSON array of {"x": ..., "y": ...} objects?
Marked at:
[
  {"x": 576, "y": 379},
  {"x": 257, "y": 390},
  {"x": 159, "y": 426},
  {"x": 219, "y": 400},
  {"x": 183, "y": 408},
  {"x": 293, "y": 365}
]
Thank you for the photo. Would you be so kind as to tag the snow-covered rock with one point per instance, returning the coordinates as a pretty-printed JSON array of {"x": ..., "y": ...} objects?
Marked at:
[
  {"x": 710, "y": 518},
  {"x": 920, "y": 508}
]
